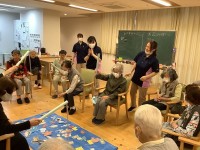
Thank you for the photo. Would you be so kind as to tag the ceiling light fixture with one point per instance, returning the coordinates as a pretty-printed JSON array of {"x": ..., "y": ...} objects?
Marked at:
[
  {"x": 65, "y": 14},
  {"x": 80, "y": 7},
  {"x": 15, "y": 6},
  {"x": 162, "y": 2},
  {"x": 50, "y": 1},
  {"x": 3, "y": 9}
]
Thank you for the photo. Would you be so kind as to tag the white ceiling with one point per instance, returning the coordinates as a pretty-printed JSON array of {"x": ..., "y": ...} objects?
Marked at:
[{"x": 101, "y": 5}]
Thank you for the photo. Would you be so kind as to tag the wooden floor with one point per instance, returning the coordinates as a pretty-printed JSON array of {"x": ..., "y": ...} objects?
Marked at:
[{"x": 121, "y": 136}]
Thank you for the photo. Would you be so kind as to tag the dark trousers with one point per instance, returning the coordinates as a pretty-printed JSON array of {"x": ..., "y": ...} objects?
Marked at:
[
  {"x": 70, "y": 97},
  {"x": 159, "y": 105},
  {"x": 35, "y": 71},
  {"x": 18, "y": 142}
]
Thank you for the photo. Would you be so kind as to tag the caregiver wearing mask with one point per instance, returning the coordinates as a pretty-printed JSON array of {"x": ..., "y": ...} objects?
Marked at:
[
  {"x": 145, "y": 66},
  {"x": 80, "y": 51},
  {"x": 170, "y": 90},
  {"x": 93, "y": 51}
]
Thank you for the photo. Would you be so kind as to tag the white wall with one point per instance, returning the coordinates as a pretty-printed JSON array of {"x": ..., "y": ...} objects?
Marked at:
[
  {"x": 51, "y": 30},
  {"x": 35, "y": 20},
  {"x": 7, "y": 31},
  {"x": 88, "y": 26}
]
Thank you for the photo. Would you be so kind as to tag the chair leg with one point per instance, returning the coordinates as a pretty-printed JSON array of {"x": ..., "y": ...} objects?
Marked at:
[
  {"x": 149, "y": 97},
  {"x": 42, "y": 79},
  {"x": 117, "y": 116},
  {"x": 181, "y": 145},
  {"x": 8, "y": 144},
  {"x": 126, "y": 109},
  {"x": 195, "y": 148},
  {"x": 83, "y": 104},
  {"x": 165, "y": 117},
  {"x": 31, "y": 90},
  {"x": 50, "y": 88},
  {"x": 110, "y": 109}
]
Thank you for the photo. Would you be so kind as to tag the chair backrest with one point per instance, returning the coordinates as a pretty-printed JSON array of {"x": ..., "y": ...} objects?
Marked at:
[
  {"x": 87, "y": 75},
  {"x": 128, "y": 83},
  {"x": 183, "y": 91}
]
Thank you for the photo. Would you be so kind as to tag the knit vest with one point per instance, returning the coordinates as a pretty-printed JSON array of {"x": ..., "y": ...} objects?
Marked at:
[
  {"x": 186, "y": 117},
  {"x": 168, "y": 89},
  {"x": 70, "y": 76}
]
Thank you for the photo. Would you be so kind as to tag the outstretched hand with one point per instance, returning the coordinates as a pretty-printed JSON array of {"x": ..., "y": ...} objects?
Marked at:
[
  {"x": 61, "y": 94},
  {"x": 35, "y": 121}
]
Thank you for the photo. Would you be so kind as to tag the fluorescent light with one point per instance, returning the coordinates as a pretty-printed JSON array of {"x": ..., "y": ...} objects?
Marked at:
[
  {"x": 3, "y": 9},
  {"x": 80, "y": 7},
  {"x": 15, "y": 6},
  {"x": 162, "y": 2},
  {"x": 50, "y": 1}
]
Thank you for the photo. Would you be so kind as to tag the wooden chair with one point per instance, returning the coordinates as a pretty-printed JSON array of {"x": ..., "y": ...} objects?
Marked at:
[
  {"x": 7, "y": 137},
  {"x": 169, "y": 104},
  {"x": 195, "y": 141},
  {"x": 88, "y": 76},
  {"x": 122, "y": 99}
]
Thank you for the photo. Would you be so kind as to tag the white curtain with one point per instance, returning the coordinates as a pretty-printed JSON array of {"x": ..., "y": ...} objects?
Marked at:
[
  {"x": 111, "y": 24},
  {"x": 185, "y": 21},
  {"x": 187, "y": 45}
]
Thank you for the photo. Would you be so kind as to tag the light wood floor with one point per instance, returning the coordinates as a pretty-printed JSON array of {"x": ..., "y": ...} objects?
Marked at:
[{"x": 121, "y": 136}]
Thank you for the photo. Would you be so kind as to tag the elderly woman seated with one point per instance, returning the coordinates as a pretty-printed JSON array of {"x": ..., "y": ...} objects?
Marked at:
[
  {"x": 170, "y": 90},
  {"x": 148, "y": 124},
  {"x": 115, "y": 85},
  {"x": 188, "y": 125}
]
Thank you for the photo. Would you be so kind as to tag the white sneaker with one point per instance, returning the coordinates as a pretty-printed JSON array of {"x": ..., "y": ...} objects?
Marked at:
[
  {"x": 39, "y": 87},
  {"x": 35, "y": 86}
]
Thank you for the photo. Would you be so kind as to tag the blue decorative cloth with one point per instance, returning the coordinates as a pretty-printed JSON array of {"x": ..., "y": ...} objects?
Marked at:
[{"x": 55, "y": 126}]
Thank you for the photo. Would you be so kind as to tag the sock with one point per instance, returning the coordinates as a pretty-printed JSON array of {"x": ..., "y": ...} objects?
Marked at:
[{"x": 73, "y": 107}]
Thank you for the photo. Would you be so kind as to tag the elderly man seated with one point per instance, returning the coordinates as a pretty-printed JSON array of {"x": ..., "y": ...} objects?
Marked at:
[
  {"x": 148, "y": 124},
  {"x": 115, "y": 85}
]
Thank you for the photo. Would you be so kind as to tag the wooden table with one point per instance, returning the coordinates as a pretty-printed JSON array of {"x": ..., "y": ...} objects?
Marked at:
[{"x": 47, "y": 60}]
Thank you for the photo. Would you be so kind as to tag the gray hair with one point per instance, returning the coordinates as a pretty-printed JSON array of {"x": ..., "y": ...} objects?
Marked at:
[
  {"x": 55, "y": 144},
  {"x": 149, "y": 119},
  {"x": 171, "y": 72},
  {"x": 119, "y": 67}
]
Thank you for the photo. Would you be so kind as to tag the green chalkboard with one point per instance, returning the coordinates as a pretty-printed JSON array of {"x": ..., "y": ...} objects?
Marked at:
[{"x": 130, "y": 43}]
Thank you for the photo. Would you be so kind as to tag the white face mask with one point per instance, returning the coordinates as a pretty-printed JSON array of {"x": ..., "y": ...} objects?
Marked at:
[
  {"x": 149, "y": 52},
  {"x": 166, "y": 80},
  {"x": 6, "y": 97},
  {"x": 80, "y": 39},
  {"x": 92, "y": 45},
  {"x": 116, "y": 75}
]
